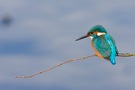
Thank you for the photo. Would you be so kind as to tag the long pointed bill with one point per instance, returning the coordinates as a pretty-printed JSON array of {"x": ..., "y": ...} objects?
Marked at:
[{"x": 82, "y": 37}]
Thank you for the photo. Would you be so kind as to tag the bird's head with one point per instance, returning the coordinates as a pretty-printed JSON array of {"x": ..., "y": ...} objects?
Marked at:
[{"x": 97, "y": 30}]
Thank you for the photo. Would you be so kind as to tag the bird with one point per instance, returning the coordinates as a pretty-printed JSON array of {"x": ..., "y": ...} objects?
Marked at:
[{"x": 102, "y": 43}]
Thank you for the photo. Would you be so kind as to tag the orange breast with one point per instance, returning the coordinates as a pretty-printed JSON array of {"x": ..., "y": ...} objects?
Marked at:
[{"x": 96, "y": 52}]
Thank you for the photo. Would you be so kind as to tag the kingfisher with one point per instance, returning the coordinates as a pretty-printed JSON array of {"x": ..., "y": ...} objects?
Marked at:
[{"x": 102, "y": 43}]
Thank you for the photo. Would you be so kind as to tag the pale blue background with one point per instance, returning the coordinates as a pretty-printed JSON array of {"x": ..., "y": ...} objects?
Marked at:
[{"x": 43, "y": 34}]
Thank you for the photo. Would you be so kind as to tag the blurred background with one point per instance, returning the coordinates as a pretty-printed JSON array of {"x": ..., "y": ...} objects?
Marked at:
[{"x": 37, "y": 34}]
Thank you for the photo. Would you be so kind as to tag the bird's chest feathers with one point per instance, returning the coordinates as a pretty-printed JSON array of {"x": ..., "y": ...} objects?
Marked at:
[
  {"x": 99, "y": 45},
  {"x": 99, "y": 42},
  {"x": 96, "y": 43}
]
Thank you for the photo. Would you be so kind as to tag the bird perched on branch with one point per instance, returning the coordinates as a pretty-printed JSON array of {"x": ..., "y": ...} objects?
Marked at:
[{"x": 102, "y": 43}]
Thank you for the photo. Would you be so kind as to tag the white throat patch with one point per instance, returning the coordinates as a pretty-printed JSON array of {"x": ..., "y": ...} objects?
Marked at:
[
  {"x": 99, "y": 33},
  {"x": 91, "y": 37}
]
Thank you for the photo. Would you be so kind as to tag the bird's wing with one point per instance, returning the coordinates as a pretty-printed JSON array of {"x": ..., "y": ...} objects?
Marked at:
[
  {"x": 102, "y": 46},
  {"x": 114, "y": 45}
]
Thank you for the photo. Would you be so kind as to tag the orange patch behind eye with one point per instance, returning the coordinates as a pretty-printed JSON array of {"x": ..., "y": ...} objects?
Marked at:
[{"x": 95, "y": 32}]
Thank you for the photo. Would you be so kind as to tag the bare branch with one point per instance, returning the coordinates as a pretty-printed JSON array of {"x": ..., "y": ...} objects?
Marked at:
[
  {"x": 70, "y": 60},
  {"x": 125, "y": 54}
]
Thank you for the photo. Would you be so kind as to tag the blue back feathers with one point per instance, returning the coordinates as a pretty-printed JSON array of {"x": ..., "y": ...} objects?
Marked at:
[{"x": 113, "y": 49}]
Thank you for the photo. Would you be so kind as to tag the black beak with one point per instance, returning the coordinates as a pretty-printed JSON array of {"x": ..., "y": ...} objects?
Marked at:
[{"x": 82, "y": 37}]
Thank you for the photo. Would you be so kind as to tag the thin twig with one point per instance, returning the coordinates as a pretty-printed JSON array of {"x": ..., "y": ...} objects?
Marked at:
[
  {"x": 125, "y": 54},
  {"x": 70, "y": 60}
]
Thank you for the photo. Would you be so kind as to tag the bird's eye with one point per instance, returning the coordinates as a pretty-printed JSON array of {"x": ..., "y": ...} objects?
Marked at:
[{"x": 91, "y": 32}]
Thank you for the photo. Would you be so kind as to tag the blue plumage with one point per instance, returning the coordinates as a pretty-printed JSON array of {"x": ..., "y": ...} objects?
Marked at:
[
  {"x": 102, "y": 43},
  {"x": 113, "y": 49}
]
